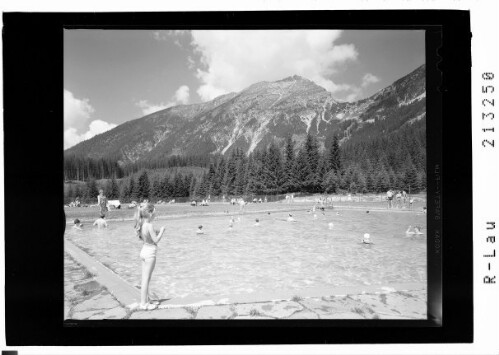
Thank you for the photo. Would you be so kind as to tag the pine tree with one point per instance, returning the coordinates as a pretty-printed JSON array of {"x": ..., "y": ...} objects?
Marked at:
[
  {"x": 201, "y": 187},
  {"x": 252, "y": 173},
  {"x": 133, "y": 189},
  {"x": 289, "y": 183},
  {"x": 330, "y": 182},
  {"x": 218, "y": 178},
  {"x": 383, "y": 179},
  {"x": 334, "y": 156},
  {"x": 91, "y": 190},
  {"x": 166, "y": 188},
  {"x": 70, "y": 194},
  {"x": 239, "y": 181},
  {"x": 273, "y": 173},
  {"x": 312, "y": 180},
  {"x": 156, "y": 190},
  {"x": 125, "y": 193},
  {"x": 114, "y": 190},
  {"x": 301, "y": 170},
  {"x": 192, "y": 187},
  {"x": 143, "y": 188},
  {"x": 230, "y": 175},
  {"x": 411, "y": 180}
]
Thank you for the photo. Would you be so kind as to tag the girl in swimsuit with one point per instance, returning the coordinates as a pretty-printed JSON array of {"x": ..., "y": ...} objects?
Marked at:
[{"x": 150, "y": 237}]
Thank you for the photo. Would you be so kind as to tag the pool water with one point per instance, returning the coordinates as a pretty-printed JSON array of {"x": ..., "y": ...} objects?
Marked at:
[{"x": 275, "y": 256}]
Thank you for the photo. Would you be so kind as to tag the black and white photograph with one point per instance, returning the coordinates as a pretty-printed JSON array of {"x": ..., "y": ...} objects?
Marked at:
[{"x": 245, "y": 174}]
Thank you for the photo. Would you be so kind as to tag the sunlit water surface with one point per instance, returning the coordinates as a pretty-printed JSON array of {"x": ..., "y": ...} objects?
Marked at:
[{"x": 275, "y": 256}]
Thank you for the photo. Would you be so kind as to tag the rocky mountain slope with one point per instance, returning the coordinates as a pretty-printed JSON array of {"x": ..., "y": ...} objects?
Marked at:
[{"x": 263, "y": 112}]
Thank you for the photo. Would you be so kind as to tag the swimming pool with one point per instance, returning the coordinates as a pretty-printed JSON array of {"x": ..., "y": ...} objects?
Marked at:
[{"x": 275, "y": 256}]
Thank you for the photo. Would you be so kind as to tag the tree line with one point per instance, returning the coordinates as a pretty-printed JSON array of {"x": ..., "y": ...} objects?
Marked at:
[
  {"x": 80, "y": 168},
  {"x": 397, "y": 161}
]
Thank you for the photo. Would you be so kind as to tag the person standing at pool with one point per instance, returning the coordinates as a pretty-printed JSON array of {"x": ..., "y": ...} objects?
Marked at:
[
  {"x": 404, "y": 196},
  {"x": 102, "y": 202},
  {"x": 150, "y": 238},
  {"x": 389, "y": 197}
]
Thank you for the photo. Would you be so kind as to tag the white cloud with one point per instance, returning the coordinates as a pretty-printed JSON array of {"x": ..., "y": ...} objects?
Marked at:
[
  {"x": 182, "y": 94},
  {"x": 77, "y": 112},
  {"x": 369, "y": 79},
  {"x": 148, "y": 108},
  {"x": 71, "y": 136},
  {"x": 169, "y": 35},
  {"x": 232, "y": 60},
  {"x": 181, "y": 97}
]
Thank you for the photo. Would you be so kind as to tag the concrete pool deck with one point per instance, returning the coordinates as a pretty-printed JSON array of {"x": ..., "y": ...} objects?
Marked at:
[{"x": 92, "y": 291}]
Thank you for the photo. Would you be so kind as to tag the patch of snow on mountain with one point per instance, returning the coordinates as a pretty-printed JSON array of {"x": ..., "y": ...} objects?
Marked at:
[
  {"x": 308, "y": 118},
  {"x": 417, "y": 118},
  {"x": 260, "y": 132},
  {"x": 417, "y": 98},
  {"x": 234, "y": 135}
]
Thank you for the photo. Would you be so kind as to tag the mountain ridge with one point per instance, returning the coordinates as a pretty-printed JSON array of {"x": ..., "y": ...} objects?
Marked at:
[{"x": 262, "y": 112}]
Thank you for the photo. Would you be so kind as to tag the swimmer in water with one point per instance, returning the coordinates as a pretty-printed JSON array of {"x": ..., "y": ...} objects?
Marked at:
[
  {"x": 100, "y": 222},
  {"x": 257, "y": 222},
  {"x": 330, "y": 225},
  {"x": 290, "y": 218},
  {"x": 200, "y": 230},
  {"x": 77, "y": 225},
  {"x": 417, "y": 231},
  {"x": 367, "y": 239},
  {"x": 315, "y": 216}
]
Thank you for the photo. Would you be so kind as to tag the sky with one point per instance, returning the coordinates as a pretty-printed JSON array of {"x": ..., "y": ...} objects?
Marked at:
[{"x": 113, "y": 76}]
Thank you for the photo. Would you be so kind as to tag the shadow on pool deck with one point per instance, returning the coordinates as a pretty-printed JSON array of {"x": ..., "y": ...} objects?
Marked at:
[{"x": 403, "y": 301}]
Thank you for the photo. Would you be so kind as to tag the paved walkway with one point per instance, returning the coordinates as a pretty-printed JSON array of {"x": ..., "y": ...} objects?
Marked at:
[{"x": 122, "y": 290}]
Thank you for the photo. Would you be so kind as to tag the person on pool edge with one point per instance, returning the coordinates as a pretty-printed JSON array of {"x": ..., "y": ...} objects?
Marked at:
[{"x": 150, "y": 237}]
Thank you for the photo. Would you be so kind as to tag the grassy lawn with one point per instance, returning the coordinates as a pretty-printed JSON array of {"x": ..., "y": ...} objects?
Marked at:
[{"x": 218, "y": 208}]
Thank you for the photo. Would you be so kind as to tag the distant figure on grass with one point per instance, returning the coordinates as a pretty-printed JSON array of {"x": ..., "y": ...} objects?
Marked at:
[
  {"x": 200, "y": 230},
  {"x": 399, "y": 199},
  {"x": 102, "y": 202},
  {"x": 411, "y": 201},
  {"x": 389, "y": 197},
  {"x": 151, "y": 237},
  {"x": 417, "y": 231},
  {"x": 290, "y": 218},
  {"x": 367, "y": 239},
  {"x": 241, "y": 205},
  {"x": 101, "y": 222},
  {"x": 404, "y": 196},
  {"x": 78, "y": 225}
]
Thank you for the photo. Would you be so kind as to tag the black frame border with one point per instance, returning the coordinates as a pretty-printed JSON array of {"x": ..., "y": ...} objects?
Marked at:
[{"x": 33, "y": 62}]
